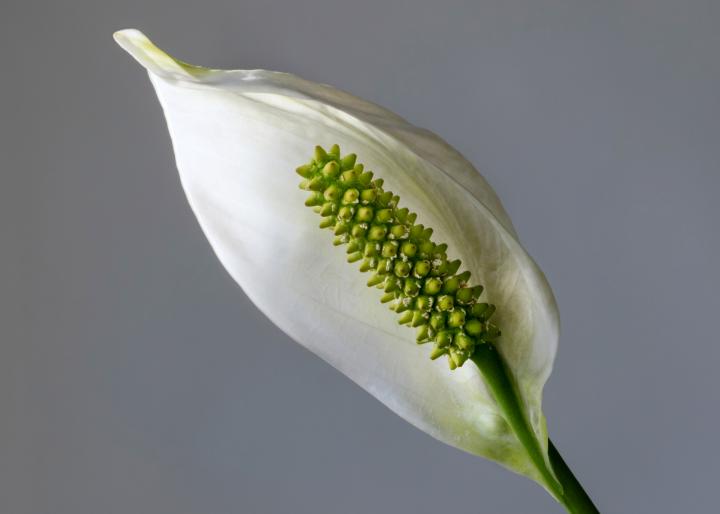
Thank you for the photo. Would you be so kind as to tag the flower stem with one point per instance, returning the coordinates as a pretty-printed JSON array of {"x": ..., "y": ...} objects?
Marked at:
[
  {"x": 575, "y": 499},
  {"x": 559, "y": 480}
]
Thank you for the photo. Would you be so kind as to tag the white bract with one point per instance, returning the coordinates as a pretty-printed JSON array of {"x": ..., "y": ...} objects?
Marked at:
[{"x": 238, "y": 137}]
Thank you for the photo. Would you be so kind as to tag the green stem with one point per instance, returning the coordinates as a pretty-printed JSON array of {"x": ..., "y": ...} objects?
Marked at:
[
  {"x": 576, "y": 500},
  {"x": 565, "y": 488}
]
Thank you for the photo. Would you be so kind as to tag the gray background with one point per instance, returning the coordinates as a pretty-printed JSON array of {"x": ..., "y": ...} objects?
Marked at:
[{"x": 135, "y": 377}]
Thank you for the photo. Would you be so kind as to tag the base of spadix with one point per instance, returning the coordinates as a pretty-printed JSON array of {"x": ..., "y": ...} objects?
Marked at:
[{"x": 556, "y": 475}]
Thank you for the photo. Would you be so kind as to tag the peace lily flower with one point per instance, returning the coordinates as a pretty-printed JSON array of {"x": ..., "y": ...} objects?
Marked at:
[{"x": 240, "y": 135}]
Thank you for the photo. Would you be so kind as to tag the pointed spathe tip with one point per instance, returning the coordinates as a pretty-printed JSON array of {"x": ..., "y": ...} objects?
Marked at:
[{"x": 153, "y": 58}]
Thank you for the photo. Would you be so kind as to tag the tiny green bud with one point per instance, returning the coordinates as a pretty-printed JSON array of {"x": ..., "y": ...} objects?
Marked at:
[
  {"x": 418, "y": 319},
  {"x": 384, "y": 265},
  {"x": 453, "y": 267},
  {"x": 491, "y": 332},
  {"x": 439, "y": 266},
  {"x": 482, "y": 311},
  {"x": 489, "y": 312},
  {"x": 445, "y": 303},
  {"x": 331, "y": 170},
  {"x": 367, "y": 196},
  {"x": 383, "y": 215},
  {"x": 376, "y": 280},
  {"x": 365, "y": 178},
  {"x": 409, "y": 249},
  {"x": 364, "y": 214},
  {"x": 426, "y": 249},
  {"x": 332, "y": 193},
  {"x": 385, "y": 198},
  {"x": 371, "y": 250},
  {"x": 348, "y": 176},
  {"x": 305, "y": 170},
  {"x": 328, "y": 208},
  {"x": 327, "y": 222},
  {"x": 315, "y": 184},
  {"x": 398, "y": 231},
  {"x": 456, "y": 318},
  {"x": 444, "y": 339},
  {"x": 348, "y": 162},
  {"x": 422, "y": 334},
  {"x": 437, "y": 320},
  {"x": 423, "y": 303},
  {"x": 459, "y": 356},
  {"x": 389, "y": 249},
  {"x": 353, "y": 246},
  {"x": 421, "y": 268},
  {"x": 320, "y": 155},
  {"x": 391, "y": 284},
  {"x": 474, "y": 327},
  {"x": 463, "y": 342},
  {"x": 400, "y": 307},
  {"x": 406, "y": 317},
  {"x": 451, "y": 285},
  {"x": 402, "y": 214},
  {"x": 377, "y": 233},
  {"x": 387, "y": 297},
  {"x": 464, "y": 277},
  {"x": 437, "y": 352},
  {"x": 433, "y": 286},
  {"x": 402, "y": 268},
  {"x": 341, "y": 228},
  {"x": 411, "y": 288},
  {"x": 358, "y": 230},
  {"x": 464, "y": 295},
  {"x": 351, "y": 196},
  {"x": 345, "y": 213}
]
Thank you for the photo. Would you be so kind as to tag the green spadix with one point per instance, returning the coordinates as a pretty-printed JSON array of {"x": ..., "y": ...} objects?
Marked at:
[{"x": 419, "y": 282}]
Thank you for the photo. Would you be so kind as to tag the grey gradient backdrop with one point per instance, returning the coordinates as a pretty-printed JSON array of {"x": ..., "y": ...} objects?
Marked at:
[{"x": 135, "y": 377}]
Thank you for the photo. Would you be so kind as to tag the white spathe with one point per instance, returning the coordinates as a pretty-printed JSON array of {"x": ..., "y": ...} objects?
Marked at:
[{"x": 238, "y": 137}]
